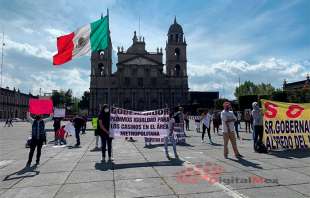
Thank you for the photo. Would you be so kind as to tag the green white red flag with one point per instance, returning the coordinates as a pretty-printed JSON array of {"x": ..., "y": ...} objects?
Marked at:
[{"x": 91, "y": 37}]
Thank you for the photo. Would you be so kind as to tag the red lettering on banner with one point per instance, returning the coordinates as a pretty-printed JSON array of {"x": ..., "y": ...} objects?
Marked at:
[
  {"x": 271, "y": 110},
  {"x": 294, "y": 111}
]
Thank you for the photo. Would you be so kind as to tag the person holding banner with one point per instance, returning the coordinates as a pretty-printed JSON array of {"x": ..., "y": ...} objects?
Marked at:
[
  {"x": 38, "y": 136},
  {"x": 170, "y": 136},
  {"x": 104, "y": 131},
  {"x": 228, "y": 119},
  {"x": 257, "y": 125}
]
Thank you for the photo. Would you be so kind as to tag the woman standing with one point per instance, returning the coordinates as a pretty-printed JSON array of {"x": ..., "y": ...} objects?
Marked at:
[{"x": 104, "y": 131}]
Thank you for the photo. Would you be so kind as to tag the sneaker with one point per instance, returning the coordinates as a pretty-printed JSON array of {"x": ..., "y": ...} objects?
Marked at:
[
  {"x": 110, "y": 159},
  {"x": 202, "y": 141},
  {"x": 103, "y": 160},
  {"x": 225, "y": 156},
  {"x": 37, "y": 163},
  {"x": 168, "y": 157},
  {"x": 176, "y": 156},
  {"x": 28, "y": 165},
  {"x": 239, "y": 156}
]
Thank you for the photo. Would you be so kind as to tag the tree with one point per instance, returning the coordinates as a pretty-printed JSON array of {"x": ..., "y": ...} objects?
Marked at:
[
  {"x": 62, "y": 98},
  {"x": 249, "y": 88},
  {"x": 84, "y": 102},
  {"x": 218, "y": 103}
]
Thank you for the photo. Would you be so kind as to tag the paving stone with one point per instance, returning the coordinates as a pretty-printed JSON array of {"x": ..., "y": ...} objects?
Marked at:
[
  {"x": 141, "y": 188},
  {"x": 31, "y": 192}
]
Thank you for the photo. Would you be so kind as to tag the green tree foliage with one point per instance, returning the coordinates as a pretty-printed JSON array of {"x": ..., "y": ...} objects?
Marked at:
[
  {"x": 249, "y": 88},
  {"x": 84, "y": 102},
  {"x": 218, "y": 104},
  {"x": 62, "y": 98}
]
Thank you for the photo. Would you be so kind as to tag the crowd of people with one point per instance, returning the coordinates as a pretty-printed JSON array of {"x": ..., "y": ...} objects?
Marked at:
[{"x": 228, "y": 119}]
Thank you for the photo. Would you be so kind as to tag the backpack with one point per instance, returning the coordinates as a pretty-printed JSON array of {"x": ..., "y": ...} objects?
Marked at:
[{"x": 260, "y": 147}]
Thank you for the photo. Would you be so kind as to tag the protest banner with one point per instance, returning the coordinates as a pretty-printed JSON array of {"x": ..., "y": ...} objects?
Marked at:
[
  {"x": 194, "y": 117},
  {"x": 178, "y": 134},
  {"x": 127, "y": 123},
  {"x": 286, "y": 125},
  {"x": 40, "y": 106},
  {"x": 59, "y": 112},
  {"x": 69, "y": 128}
]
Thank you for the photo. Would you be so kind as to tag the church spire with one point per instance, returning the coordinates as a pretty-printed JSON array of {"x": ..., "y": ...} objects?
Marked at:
[
  {"x": 135, "y": 38},
  {"x": 175, "y": 19}
]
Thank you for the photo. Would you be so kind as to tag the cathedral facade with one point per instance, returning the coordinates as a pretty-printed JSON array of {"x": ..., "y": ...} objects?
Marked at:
[{"x": 141, "y": 81}]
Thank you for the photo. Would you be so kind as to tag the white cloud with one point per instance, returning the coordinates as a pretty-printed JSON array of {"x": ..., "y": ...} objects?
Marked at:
[
  {"x": 55, "y": 32},
  {"x": 10, "y": 81},
  {"x": 223, "y": 76},
  {"x": 75, "y": 79},
  {"x": 39, "y": 51}
]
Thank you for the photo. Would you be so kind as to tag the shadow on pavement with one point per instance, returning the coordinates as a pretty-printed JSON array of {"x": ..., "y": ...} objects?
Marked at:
[
  {"x": 110, "y": 165},
  {"x": 291, "y": 154},
  {"x": 247, "y": 163},
  {"x": 21, "y": 173}
]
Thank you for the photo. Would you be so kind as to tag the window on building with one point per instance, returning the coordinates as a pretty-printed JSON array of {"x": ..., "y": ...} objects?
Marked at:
[
  {"x": 101, "y": 69},
  {"x": 140, "y": 82},
  {"x": 177, "y": 70},
  {"x": 177, "y": 37},
  {"x": 177, "y": 53},
  {"x": 127, "y": 81}
]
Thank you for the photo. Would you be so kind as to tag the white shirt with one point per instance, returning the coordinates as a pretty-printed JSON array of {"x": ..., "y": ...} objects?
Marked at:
[
  {"x": 207, "y": 120},
  {"x": 228, "y": 115}
]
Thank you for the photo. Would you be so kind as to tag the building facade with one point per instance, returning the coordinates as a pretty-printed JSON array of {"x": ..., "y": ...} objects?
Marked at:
[
  {"x": 140, "y": 82},
  {"x": 13, "y": 103}
]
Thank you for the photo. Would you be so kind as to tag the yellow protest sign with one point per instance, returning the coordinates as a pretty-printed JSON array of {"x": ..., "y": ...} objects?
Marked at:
[
  {"x": 286, "y": 125},
  {"x": 94, "y": 122}
]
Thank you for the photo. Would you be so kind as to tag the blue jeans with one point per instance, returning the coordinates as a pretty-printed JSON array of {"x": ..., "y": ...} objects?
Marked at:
[
  {"x": 173, "y": 144},
  {"x": 257, "y": 134}
]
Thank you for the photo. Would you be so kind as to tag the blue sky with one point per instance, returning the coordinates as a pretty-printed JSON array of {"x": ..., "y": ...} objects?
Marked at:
[{"x": 257, "y": 40}]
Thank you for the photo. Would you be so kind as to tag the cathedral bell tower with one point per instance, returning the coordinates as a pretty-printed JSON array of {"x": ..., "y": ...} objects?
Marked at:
[{"x": 176, "y": 62}]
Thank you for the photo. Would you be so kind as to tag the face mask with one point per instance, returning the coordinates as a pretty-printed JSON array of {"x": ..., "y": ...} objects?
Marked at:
[{"x": 106, "y": 110}]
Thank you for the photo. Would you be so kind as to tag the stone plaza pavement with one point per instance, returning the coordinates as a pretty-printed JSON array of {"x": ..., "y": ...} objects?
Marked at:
[{"x": 202, "y": 171}]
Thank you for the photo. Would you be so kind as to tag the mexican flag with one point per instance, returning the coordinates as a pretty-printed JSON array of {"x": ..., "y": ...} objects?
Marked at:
[{"x": 94, "y": 37}]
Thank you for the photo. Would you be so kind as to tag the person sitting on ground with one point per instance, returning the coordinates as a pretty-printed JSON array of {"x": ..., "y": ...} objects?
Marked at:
[
  {"x": 170, "y": 136},
  {"x": 38, "y": 136},
  {"x": 61, "y": 136},
  {"x": 228, "y": 119}
]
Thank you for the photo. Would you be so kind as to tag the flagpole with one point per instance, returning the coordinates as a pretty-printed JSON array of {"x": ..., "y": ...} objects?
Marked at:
[
  {"x": 2, "y": 57},
  {"x": 109, "y": 88}
]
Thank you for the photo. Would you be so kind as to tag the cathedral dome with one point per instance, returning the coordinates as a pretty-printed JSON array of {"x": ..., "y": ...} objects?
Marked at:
[{"x": 175, "y": 27}]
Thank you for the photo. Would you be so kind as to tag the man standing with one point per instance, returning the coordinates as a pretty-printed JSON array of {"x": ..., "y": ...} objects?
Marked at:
[
  {"x": 228, "y": 119},
  {"x": 38, "y": 136},
  {"x": 206, "y": 124},
  {"x": 257, "y": 124},
  {"x": 78, "y": 122}
]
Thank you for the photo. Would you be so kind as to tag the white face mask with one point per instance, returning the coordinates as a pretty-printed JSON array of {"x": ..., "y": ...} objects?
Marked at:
[{"x": 106, "y": 110}]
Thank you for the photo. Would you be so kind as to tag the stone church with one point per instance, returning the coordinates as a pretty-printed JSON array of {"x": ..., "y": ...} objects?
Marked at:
[{"x": 141, "y": 82}]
